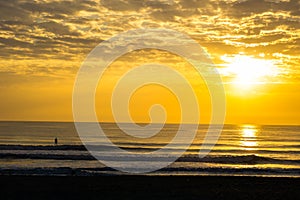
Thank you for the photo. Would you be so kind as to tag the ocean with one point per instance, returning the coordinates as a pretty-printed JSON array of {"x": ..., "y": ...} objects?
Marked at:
[{"x": 27, "y": 148}]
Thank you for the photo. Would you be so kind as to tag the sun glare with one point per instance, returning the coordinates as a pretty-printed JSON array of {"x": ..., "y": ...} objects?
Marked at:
[
  {"x": 247, "y": 71},
  {"x": 249, "y": 134}
]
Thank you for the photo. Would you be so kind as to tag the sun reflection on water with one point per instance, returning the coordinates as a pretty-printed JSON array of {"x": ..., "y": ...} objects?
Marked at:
[{"x": 249, "y": 137}]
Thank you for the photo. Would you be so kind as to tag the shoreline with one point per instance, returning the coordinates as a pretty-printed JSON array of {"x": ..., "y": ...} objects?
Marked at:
[{"x": 148, "y": 187}]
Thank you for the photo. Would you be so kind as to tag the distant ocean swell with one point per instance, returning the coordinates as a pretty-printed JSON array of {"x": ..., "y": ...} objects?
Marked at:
[{"x": 78, "y": 152}]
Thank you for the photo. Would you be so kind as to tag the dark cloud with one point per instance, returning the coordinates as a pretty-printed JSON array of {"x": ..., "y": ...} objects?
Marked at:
[
  {"x": 24, "y": 21},
  {"x": 57, "y": 28},
  {"x": 196, "y": 3},
  {"x": 12, "y": 12},
  {"x": 59, "y": 7},
  {"x": 249, "y": 7},
  {"x": 170, "y": 14},
  {"x": 14, "y": 43},
  {"x": 136, "y": 5},
  {"x": 164, "y": 10},
  {"x": 119, "y": 5},
  {"x": 263, "y": 39}
]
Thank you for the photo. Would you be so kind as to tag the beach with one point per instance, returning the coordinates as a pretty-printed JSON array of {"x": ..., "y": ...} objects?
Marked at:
[{"x": 148, "y": 187}]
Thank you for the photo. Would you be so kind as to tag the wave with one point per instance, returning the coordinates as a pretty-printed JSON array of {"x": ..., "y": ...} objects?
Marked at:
[
  {"x": 82, "y": 147},
  {"x": 224, "y": 159},
  {"x": 145, "y": 148},
  {"x": 239, "y": 159},
  {"x": 41, "y": 147}
]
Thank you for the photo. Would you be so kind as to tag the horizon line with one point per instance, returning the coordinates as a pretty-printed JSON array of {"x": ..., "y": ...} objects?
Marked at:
[{"x": 171, "y": 123}]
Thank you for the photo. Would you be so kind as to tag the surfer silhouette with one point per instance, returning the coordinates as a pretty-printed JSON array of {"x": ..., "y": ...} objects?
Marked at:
[{"x": 56, "y": 141}]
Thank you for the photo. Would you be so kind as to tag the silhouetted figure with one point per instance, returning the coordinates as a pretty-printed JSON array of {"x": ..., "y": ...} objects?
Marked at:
[{"x": 55, "y": 141}]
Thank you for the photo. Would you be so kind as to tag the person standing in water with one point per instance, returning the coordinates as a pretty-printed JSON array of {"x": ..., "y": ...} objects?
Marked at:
[{"x": 56, "y": 141}]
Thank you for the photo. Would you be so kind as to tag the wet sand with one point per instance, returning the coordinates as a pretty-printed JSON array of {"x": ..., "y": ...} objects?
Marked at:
[{"x": 148, "y": 187}]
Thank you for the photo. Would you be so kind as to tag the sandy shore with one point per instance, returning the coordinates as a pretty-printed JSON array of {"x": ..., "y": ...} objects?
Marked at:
[{"x": 148, "y": 187}]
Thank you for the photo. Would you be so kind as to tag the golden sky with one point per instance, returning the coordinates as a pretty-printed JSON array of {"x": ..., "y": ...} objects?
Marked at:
[{"x": 254, "y": 43}]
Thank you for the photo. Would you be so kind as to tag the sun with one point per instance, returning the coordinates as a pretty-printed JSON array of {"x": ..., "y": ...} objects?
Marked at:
[{"x": 247, "y": 71}]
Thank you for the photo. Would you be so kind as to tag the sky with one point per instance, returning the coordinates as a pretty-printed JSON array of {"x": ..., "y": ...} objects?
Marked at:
[{"x": 255, "y": 45}]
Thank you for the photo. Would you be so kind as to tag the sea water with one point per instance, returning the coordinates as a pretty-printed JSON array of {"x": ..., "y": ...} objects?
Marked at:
[{"x": 242, "y": 150}]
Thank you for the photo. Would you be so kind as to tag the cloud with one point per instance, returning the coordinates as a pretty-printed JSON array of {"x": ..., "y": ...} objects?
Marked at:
[
  {"x": 136, "y": 5},
  {"x": 69, "y": 30},
  {"x": 245, "y": 8},
  {"x": 59, "y": 7},
  {"x": 57, "y": 28}
]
